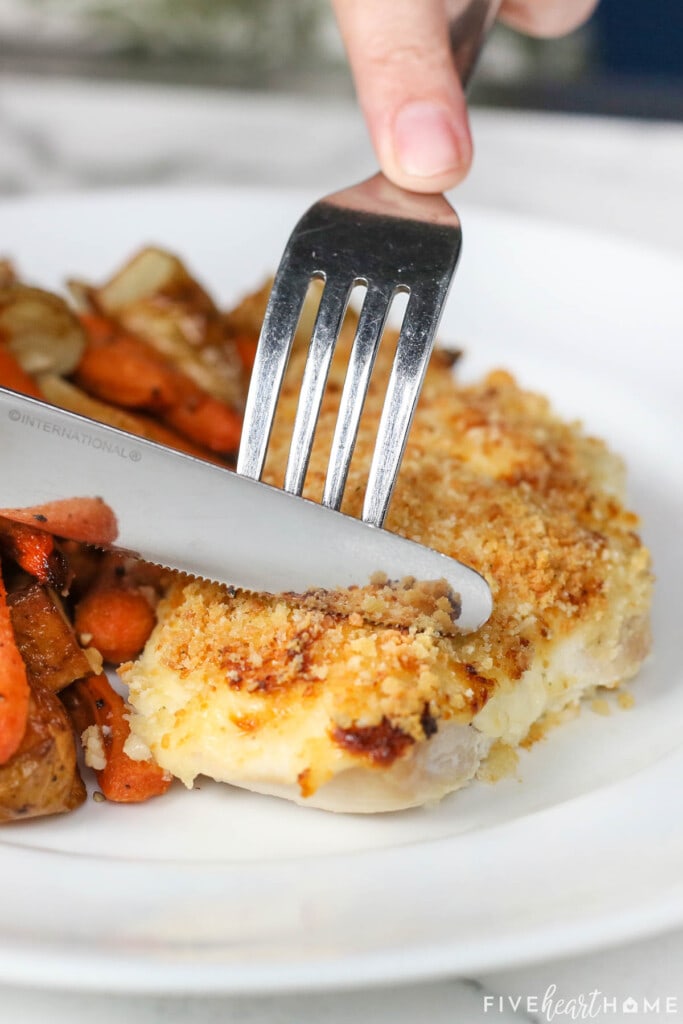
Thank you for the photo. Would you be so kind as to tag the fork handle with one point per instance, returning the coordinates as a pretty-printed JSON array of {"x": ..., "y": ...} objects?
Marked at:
[{"x": 468, "y": 27}]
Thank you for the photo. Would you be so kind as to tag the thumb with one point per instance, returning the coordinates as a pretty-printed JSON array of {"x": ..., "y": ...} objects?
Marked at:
[{"x": 408, "y": 89}]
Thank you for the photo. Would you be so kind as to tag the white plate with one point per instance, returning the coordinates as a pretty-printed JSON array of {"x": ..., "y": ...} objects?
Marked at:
[{"x": 223, "y": 891}]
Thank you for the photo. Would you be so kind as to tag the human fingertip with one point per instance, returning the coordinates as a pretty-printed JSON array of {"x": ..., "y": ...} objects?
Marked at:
[{"x": 429, "y": 151}]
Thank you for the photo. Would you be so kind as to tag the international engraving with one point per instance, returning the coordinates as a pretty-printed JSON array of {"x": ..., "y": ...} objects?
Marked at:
[{"x": 76, "y": 435}]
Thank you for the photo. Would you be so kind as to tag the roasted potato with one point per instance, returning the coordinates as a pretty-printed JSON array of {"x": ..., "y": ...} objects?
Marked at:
[
  {"x": 46, "y": 639},
  {"x": 42, "y": 777},
  {"x": 8, "y": 275}
]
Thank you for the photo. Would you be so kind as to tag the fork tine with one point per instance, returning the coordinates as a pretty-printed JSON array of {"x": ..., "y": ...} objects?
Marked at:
[
  {"x": 328, "y": 322},
  {"x": 371, "y": 322},
  {"x": 410, "y": 364},
  {"x": 275, "y": 343}
]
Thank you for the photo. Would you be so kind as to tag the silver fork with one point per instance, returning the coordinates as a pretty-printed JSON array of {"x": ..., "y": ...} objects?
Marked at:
[{"x": 390, "y": 241}]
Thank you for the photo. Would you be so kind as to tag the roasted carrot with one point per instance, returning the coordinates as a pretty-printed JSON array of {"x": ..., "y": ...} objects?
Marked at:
[
  {"x": 14, "y": 688},
  {"x": 13, "y": 376},
  {"x": 94, "y": 702},
  {"x": 100, "y": 329},
  {"x": 123, "y": 369},
  {"x": 206, "y": 420},
  {"x": 116, "y": 620},
  {"x": 246, "y": 345},
  {"x": 65, "y": 394},
  {"x": 88, "y": 520},
  {"x": 34, "y": 551},
  {"x": 163, "y": 434}
]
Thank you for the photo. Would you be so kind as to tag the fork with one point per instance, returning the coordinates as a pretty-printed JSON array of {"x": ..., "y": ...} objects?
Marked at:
[{"x": 391, "y": 241}]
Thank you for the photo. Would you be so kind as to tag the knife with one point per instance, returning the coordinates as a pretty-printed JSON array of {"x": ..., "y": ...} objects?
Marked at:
[{"x": 187, "y": 514}]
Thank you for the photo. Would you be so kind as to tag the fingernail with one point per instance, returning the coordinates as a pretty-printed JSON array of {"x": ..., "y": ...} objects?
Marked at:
[{"x": 424, "y": 140}]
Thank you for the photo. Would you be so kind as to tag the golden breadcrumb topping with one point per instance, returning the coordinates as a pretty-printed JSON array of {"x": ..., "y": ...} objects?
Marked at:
[{"x": 491, "y": 477}]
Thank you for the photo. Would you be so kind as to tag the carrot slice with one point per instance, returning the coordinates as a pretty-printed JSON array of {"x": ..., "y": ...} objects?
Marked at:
[
  {"x": 34, "y": 551},
  {"x": 88, "y": 520},
  {"x": 93, "y": 701},
  {"x": 66, "y": 395},
  {"x": 13, "y": 376},
  {"x": 122, "y": 368},
  {"x": 206, "y": 420},
  {"x": 246, "y": 349},
  {"x": 116, "y": 620},
  {"x": 14, "y": 688},
  {"x": 100, "y": 329}
]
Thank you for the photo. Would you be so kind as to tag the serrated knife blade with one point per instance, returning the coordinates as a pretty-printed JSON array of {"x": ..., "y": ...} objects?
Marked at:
[{"x": 187, "y": 514}]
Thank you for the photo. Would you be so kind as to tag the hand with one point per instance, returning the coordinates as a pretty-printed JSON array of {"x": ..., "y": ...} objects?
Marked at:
[{"x": 408, "y": 87}]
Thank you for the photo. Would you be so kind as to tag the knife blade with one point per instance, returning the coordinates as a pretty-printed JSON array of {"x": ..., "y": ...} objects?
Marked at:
[{"x": 191, "y": 515}]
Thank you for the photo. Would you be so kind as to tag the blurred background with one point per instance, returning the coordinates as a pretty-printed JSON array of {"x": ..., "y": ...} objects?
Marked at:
[{"x": 627, "y": 61}]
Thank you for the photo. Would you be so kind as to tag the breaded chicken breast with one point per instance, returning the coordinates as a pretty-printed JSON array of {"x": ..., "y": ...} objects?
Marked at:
[{"x": 334, "y": 701}]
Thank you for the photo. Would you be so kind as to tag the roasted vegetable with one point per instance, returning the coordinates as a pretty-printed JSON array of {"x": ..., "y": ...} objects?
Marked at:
[
  {"x": 46, "y": 639},
  {"x": 13, "y": 376},
  {"x": 14, "y": 688},
  {"x": 42, "y": 776},
  {"x": 97, "y": 710},
  {"x": 40, "y": 330},
  {"x": 154, "y": 297},
  {"x": 116, "y": 620},
  {"x": 121, "y": 368},
  {"x": 149, "y": 353},
  {"x": 65, "y": 394},
  {"x": 34, "y": 551},
  {"x": 88, "y": 520},
  {"x": 84, "y": 562},
  {"x": 8, "y": 275}
]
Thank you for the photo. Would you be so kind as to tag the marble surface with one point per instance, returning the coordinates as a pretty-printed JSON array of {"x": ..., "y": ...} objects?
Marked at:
[
  {"x": 55, "y": 135},
  {"x": 621, "y": 177}
]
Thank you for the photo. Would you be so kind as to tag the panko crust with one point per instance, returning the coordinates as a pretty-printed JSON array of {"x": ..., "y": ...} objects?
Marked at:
[{"x": 490, "y": 476}]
